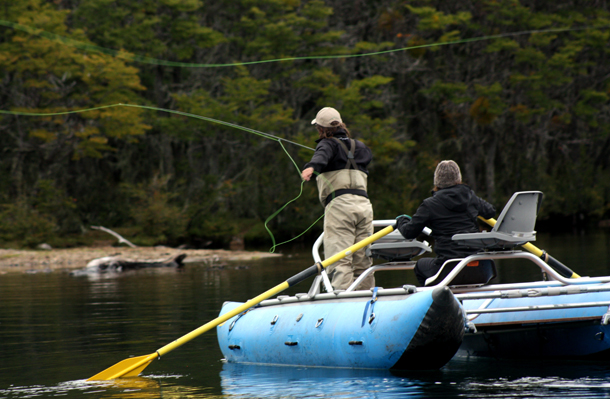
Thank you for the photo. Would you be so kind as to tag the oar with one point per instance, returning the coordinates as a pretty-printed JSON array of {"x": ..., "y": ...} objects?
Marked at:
[
  {"x": 133, "y": 366},
  {"x": 554, "y": 263}
]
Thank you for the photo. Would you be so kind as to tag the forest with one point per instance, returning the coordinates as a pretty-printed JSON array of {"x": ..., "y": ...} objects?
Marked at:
[{"x": 188, "y": 121}]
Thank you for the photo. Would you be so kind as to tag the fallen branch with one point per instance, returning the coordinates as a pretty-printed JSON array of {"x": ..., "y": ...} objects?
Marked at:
[{"x": 118, "y": 236}]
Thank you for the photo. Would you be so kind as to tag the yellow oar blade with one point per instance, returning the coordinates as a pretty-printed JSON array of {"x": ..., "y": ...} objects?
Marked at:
[
  {"x": 133, "y": 366},
  {"x": 127, "y": 368}
]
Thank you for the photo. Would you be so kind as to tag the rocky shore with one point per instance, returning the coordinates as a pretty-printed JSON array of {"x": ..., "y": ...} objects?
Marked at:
[{"x": 20, "y": 261}]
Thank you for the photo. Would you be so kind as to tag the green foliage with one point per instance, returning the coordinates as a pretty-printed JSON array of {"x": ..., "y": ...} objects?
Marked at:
[
  {"x": 158, "y": 28},
  {"x": 154, "y": 213},
  {"x": 515, "y": 111},
  {"x": 432, "y": 19},
  {"x": 502, "y": 44},
  {"x": 220, "y": 227},
  {"x": 56, "y": 78},
  {"x": 589, "y": 107},
  {"x": 23, "y": 223},
  {"x": 489, "y": 104},
  {"x": 454, "y": 92}
]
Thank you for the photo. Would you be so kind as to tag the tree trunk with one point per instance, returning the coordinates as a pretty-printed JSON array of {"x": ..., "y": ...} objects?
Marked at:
[{"x": 490, "y": 159}]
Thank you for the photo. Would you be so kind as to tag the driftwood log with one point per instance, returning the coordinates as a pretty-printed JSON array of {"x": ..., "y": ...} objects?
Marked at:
[
  {"x": 117, "y": 235},
  {"x": 118, "y": 264}
]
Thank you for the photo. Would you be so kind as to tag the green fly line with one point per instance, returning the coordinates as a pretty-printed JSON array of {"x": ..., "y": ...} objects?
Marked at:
[
  {"x": 149, "y": 60},
  {"x": 272, "y": 249},
  {"x": 154, "y": 61},
  {"x": 246, "y": 129}
]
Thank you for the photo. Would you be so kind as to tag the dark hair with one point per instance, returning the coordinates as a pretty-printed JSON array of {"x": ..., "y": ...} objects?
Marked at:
[{"x": 327, "y": 132}]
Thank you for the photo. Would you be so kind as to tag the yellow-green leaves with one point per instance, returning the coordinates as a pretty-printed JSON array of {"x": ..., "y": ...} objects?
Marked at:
[
  {"x": 59, "y": 78},
  {"x": 489, "y": 105},
  {"x": 431, "y": 19}
]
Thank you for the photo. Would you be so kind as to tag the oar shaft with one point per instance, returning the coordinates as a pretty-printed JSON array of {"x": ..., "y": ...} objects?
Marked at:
[
  {"x": 359, "y": 245},
  {"x": 221, "y": 319},
  {"x": 133, "y": 366},
  {"x": 554, "y": 263},
  {"x": 311, "y": 271},
  {"x": 557, "y": 265}
]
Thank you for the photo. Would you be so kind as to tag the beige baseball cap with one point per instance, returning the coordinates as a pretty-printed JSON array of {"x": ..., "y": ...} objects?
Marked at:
[{"x": 326, "y": 116}]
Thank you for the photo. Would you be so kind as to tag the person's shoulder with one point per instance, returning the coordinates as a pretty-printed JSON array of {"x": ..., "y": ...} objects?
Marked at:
[
  {"x": 361, "y": 144},
  {"x": 430, "y": 200},
  {"x": 472, "y": 192},
  {"x": 325, "y": 142}
]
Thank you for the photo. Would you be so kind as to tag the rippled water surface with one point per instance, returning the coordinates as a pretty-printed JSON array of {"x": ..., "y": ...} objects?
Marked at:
[{"x": 57, "y": 330}]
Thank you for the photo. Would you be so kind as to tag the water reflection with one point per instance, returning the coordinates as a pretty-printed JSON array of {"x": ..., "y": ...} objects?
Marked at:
[
  {"x": 158, "y": 386},
  {"x": 257, "y": 381},
  {"x": 480, "y": 378},
  {"x": 461, "y": 378},
  {"x": 56, "y": 327},
  {"x": 491, "y": 378}
]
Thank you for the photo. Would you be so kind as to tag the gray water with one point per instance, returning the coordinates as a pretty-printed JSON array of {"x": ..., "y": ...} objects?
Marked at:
[{"x": 57, "y": 330}]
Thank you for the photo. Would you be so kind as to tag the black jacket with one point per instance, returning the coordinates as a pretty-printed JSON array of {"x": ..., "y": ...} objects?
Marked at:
[
  {"x": 449, "y": 211},
  {"x": 329, "y": 156}
]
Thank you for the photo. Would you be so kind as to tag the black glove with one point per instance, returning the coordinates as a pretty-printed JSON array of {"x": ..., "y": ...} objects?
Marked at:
[{"x": 402, "y": 219}]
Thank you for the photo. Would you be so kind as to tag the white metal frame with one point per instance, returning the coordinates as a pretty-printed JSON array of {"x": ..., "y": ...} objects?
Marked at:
[
  {"x": 323, "y": 276},
  {"x": 514, "y": 254}
]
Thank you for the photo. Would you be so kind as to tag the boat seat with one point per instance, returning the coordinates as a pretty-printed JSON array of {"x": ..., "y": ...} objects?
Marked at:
[
  {"x": 394, "y": 247},
  {"x": 478, "y": 272},
  {"x": 515, "y": 225}
]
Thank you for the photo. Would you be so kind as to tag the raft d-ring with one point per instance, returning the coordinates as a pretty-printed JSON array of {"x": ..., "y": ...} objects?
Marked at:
[
  {"x": 533, "y": 292},
  {"x": 319, "y": 323},
  {"x": 371, "y": 318},
  {"x": 238, "y": 317},
  {"x": 274, "y": 320}
]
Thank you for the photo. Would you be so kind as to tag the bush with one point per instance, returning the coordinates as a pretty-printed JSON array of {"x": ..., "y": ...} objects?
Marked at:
[
  {"x": 23, "y": 223},
  {"x": 157, "y": 220}
]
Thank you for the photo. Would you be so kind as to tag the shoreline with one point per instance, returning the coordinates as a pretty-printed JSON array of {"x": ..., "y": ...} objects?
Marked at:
[{"x": 21, "y": 261}]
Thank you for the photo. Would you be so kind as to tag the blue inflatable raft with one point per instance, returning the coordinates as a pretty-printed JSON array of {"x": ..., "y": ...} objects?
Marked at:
[
  {"x": 457, "y": 311},
  {"x": 397, "y": 329},
  {"x": 561, "y": 316}
]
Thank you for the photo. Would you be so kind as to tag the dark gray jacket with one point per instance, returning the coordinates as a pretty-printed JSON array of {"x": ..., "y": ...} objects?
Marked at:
[
  {"x": 449, "y": 211},
  {"x": 329, "y": 156}
]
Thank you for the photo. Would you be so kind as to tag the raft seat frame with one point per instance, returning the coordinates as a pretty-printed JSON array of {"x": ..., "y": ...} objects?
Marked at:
[{"x": 515, "y": 226}]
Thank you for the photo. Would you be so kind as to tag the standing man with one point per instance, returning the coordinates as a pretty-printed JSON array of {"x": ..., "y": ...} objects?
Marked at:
[{"x": 340, "y": 164}]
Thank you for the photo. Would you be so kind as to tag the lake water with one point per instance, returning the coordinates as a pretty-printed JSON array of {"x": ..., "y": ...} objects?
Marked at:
[{"x": 57, "y": 330}]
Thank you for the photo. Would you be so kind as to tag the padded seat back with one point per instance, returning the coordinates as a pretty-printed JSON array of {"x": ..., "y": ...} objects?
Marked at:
[
  {"x": 515, "y": 225},
  {"x": 519, "y": 214}
]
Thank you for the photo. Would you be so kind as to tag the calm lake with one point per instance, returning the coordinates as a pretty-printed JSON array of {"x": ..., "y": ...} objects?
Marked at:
[{"x": 57, "y": 330}]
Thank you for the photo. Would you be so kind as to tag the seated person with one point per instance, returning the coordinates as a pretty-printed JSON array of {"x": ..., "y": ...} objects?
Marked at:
[{"x": 453, "y": 208}]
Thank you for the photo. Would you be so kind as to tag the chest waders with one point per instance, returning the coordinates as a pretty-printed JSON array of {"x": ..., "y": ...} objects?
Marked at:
[{"x": 349, "y": 180}]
